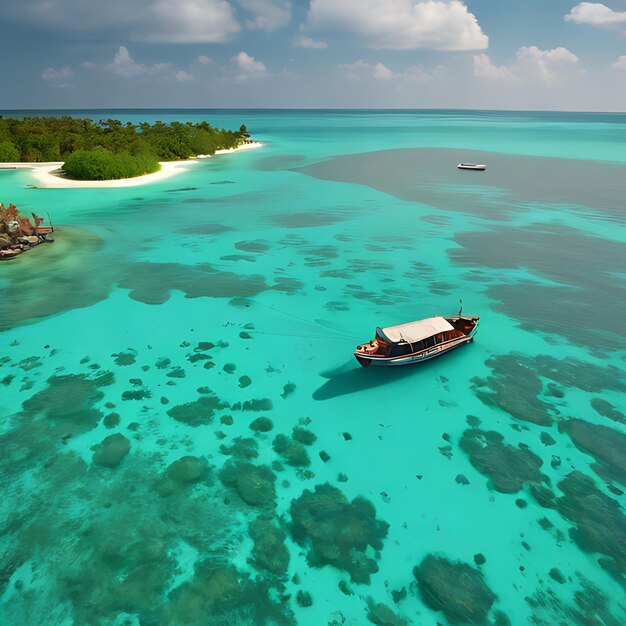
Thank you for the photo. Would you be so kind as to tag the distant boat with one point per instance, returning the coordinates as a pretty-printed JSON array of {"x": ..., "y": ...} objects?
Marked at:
[
  {"x": 472, "y": 166},
  {"x": 418, "y": 341}
]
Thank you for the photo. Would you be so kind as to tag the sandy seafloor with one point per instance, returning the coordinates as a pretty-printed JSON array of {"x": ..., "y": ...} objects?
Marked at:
[{"x": 483, "y": 487}]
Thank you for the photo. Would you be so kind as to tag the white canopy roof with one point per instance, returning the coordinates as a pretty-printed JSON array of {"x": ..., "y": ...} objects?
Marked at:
[{"x": 416, "y": 331}]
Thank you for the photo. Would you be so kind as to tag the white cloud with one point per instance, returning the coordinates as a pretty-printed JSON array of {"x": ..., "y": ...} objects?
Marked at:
[
  {"x": 184, "y": 77},
  {"x": 485, "y": 68},
  {"x": 302, "y": 41},
  {"x": 205, "y": 60},
  {"x": 382, "y": 72},
  {"x": 268, "y": 14},
  {"x": 88, "y": 65},
  {"x": 402, "y": 24},
  {"x": 191, "y": 21},
  {"x": 531, "y": 63},
  {"x": 360, "y": 70},
  {"x": 620, "y": 64},
  {"x": 158, "y": 21},
  {"x": 61, "y": 76},
  {"x": 125, "y": 66},
  {"x": 549, "y": 65},
  {"x": 249, "y": 66},
  {"x": 596, "y": 14}
]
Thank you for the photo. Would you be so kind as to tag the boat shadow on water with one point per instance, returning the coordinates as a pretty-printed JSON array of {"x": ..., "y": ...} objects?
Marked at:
[{"x": 349, "y": 378}]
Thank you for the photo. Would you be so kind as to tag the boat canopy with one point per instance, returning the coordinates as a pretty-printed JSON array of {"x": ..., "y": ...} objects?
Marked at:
[{"x": 415, "y": 331}]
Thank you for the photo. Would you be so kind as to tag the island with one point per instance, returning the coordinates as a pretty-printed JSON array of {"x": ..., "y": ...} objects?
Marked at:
[{"x": 81, "y": 152}]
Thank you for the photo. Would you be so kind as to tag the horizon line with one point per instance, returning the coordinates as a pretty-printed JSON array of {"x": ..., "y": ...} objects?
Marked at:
[{"x": 363, "y": 109}]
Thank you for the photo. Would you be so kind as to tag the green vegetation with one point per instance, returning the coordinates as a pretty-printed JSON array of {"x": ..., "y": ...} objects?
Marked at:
[
  {"x": 108, "y": 149},
  {"x": 101, "y": 164},
  {"x": 9, "y": 152}
]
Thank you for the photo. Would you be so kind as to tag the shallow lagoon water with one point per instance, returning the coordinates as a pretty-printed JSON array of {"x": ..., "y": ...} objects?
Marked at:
[{"x": 178, "y": 313}]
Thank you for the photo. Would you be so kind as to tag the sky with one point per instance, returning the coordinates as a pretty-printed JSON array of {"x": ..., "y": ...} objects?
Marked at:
[{"x": 472, "y": 54}]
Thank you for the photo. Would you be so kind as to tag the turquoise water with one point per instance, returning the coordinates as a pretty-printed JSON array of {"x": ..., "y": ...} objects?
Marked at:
[{"x": 482, "y": 487}]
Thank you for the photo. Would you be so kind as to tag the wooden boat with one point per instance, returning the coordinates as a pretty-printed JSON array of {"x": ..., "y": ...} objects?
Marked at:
[
  {"x": 39, "y": 229},
  {"x": 418, "y": 341},
  {"x": 7, "y": 255},
  {"x": 472, "y": 166}
]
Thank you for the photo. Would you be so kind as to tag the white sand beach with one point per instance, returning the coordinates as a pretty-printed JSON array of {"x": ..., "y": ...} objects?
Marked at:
[{"x": 48, "y": 175}]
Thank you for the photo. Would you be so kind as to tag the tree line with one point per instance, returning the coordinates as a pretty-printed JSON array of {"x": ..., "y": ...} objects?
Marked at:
[{"x": 109, "y": 148}]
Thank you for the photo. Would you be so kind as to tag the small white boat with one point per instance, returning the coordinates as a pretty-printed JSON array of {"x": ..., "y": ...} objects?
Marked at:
[{"x": 472, "y": 166}]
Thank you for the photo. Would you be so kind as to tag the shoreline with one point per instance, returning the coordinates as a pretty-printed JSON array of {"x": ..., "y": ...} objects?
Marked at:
[{"x": 47, "y": 175}]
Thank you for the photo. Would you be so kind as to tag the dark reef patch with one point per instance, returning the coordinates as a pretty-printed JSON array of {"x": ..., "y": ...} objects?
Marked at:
[
  {"x": 600, "y": 523},
  {"x": 307, "y": 219},
  {"x": 514, "y": 388},
  {"x": 572, "y": 372},
  {"x": 125, "y": 358},
  {"x": 304, "y": 599},
  {"x": 238, "y": 257},
  {"x": 253, "y": 483},
  {"x": 97, "y": 564},
  {"x": 241, "y": 448},
  {"x": 606, "y": 445},
  {"x": 111, "y": 420},
  {"x": 287, "y": 284},
  {"x": 205, "y": 229},
  {"x": 304, "y": 435},
  {"x": 455, "y": 588},
  {"x": 111, "y": 450},
  {"x": 162, "y": 363},
  {"x": 152, "y": 283},
  {"x": 338, "y": 532},
  {"x": 136, "y": 394},
  {"x": 269, "y": 551},
  {"x": 257, "y": 246},
  {"x": 381, "y": 615},
  {"x": 261, "y": 425},
  {"x": 199, "y": 412},
  {"x": 557, "y": 576},
  {"x": 226, "y": 596},
  {"x": 244, "y": 381},
  {"x": 606, "y": 409},
  {"x": 292, "y": 452},
  {"x": 74, "y": 265},
  {"x": 517, "y": 381},
  {"x": 508, "y": 468},
  {"x": 255, "y": 405},
  {"x": 585, "y": 268},
  {"x": 187, "y": 470},
  {"x": 590, "y": 606},
  {"x": 176, "y": 372},
  {"x": 68, "y": 402},
  {"x": 288, "y": 389}
]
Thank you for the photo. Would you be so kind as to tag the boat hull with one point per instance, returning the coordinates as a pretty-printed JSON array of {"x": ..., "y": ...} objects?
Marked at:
[
  {"x": 410, "y": 359},
  {"x": 472, "y": 168}
]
